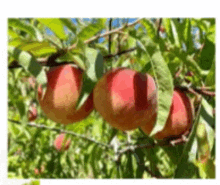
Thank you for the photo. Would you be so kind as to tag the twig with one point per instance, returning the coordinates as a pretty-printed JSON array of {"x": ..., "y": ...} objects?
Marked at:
[
  {"x": 62, "y": 131},
  {"x": 195, "y": 90},
  {"x": 120, "y": 53},
  {"x": 112, "y": 31},
  {"x": 151, "y": 173},
  {"x": 159, "y": 26},
  {"x": 43, "y": 61},
  {"x": 172, "y": 143},
  {"x": 119, "y": 46},
  {"x": 110, "y": 37}
]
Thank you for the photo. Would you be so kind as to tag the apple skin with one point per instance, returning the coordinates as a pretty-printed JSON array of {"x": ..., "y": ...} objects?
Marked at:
[
  {"x": 36, "y": 171},
  {"x": 125, "y": 98},
  {"x": 63, "y": 90},
  {"x": 32, "y": 113},
  {"x": 61, "y": 143},
  {"x": 179, "y": 121}
]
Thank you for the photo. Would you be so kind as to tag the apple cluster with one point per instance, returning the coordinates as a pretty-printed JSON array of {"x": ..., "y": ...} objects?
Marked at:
[{"x": 125, "y": 98}]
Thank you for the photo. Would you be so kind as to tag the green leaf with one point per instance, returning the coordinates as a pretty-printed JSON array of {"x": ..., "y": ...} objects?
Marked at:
[
  {"x": 94, "y": 71},
  {"x": 188, "y": 60},
  {"x": 207, "y": 119},
  {"x": 210, "y": 79},
  {"x": 94, "y": 161},
  {"x": 175, "y": 34},
  {"x": 139, "y": 155},
  {"x": 16, "y": 42},
  {"x": 69, "y": 24},
  {"x": 92, "y": 29},
  {"x": 95, "y": 66},
  {"x": 17, "y": 23},
  {"x": 207, "y": 55},
  {"x": 72, "y": 58},
  {"x": 206, "y": 169},
  {"x": 188, "y": 36},
  {"x": 29, "y": 63},
  {"x": 21, "y": 107},
  {"x": 168, "y": 27},
  {"x": 12, "y": 33},
  {"x": 55, "y": 25},
  {"x": 184, "y": 165},
  {"x": 38, "y": 48},
  {"x": 129, "y": 168},
  {"x": 203, "y": 146},
  {"x": 205, "y": 163},
  {"x": 211, "y": 34},
  {"x": 164, "y": 83},
  {"x": 151, "y": 30},
  {"x": 34, "y": 47}
]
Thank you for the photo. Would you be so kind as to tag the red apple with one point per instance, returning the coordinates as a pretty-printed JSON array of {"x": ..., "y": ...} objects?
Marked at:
[{"x": 125, "y": 98}]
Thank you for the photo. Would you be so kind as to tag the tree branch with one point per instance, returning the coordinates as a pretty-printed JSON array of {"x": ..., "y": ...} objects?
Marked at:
[
  {"x": 159, "y": 26},
  {"x": 43, "y": 61},
  {"x": 62, "y": 131},
  {"x": 195, "y": 90},
  {"x": 112, "y": 31}
]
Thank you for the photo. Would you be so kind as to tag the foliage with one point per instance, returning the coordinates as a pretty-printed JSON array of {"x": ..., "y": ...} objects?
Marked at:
[{"x": 169, "y": 49}]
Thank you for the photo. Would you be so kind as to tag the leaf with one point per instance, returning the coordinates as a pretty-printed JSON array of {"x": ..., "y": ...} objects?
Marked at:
[
  {"x": 188, "y": 36},
  {"x": 184, "y": 163},
  {"x": 29, "y": 63},
  {"x": 203, "y": 146},
  {"x": 207, "y": 55},
  {"x": 21, "y": 107},
  {"x": 72, "y": 58},
  {"x": 38, "y": 48},
  {"x": 175, "y": 34},
  {"x": 206, "y": 169},
  {"x": 151, "y": 30},
  {"x": 94, "y": 161},
  {"x": 164, "y": 83},
  {"x": 210, "y": 79},
  {"x": 95, "y": 64},
  {"x": 16, "y": 42},
  {"x": 129, "y": 168},
  {"x": 69, "y": 24},
  {"x": 188, "y": 60},
  {"x": 92, "y": 29},
  {"x": 205, "y": 163},
  {"x": 211, "y": 34},
  {"x": 168, "y": 28},
  {"x": 17, "y": 23},
  {"x": 94, "y": 71},
  {"x": 12, "y": 33},
  {"x": 207, "y": 119},
  {"x": 55, "y": 25},
  {"x": 139, "y": 155}
]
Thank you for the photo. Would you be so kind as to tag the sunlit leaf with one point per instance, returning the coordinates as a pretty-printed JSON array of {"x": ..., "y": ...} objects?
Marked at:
[
  {"x": 210, "y": 79},
  {"x": 29, "y": 63},
  {"x": 55, "y": 25},
  {"x": 69, "y": 24},
  {"x": 92, "y": 29},
  {"x": 151, "y": 30},
  {"x": 175, "y": 34},
  {"x": 17, "y": 23},
  {"x": 188, "y": 36},
  {"x": 164, "y": 83},
  {"x": 168, "y": 27}
]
